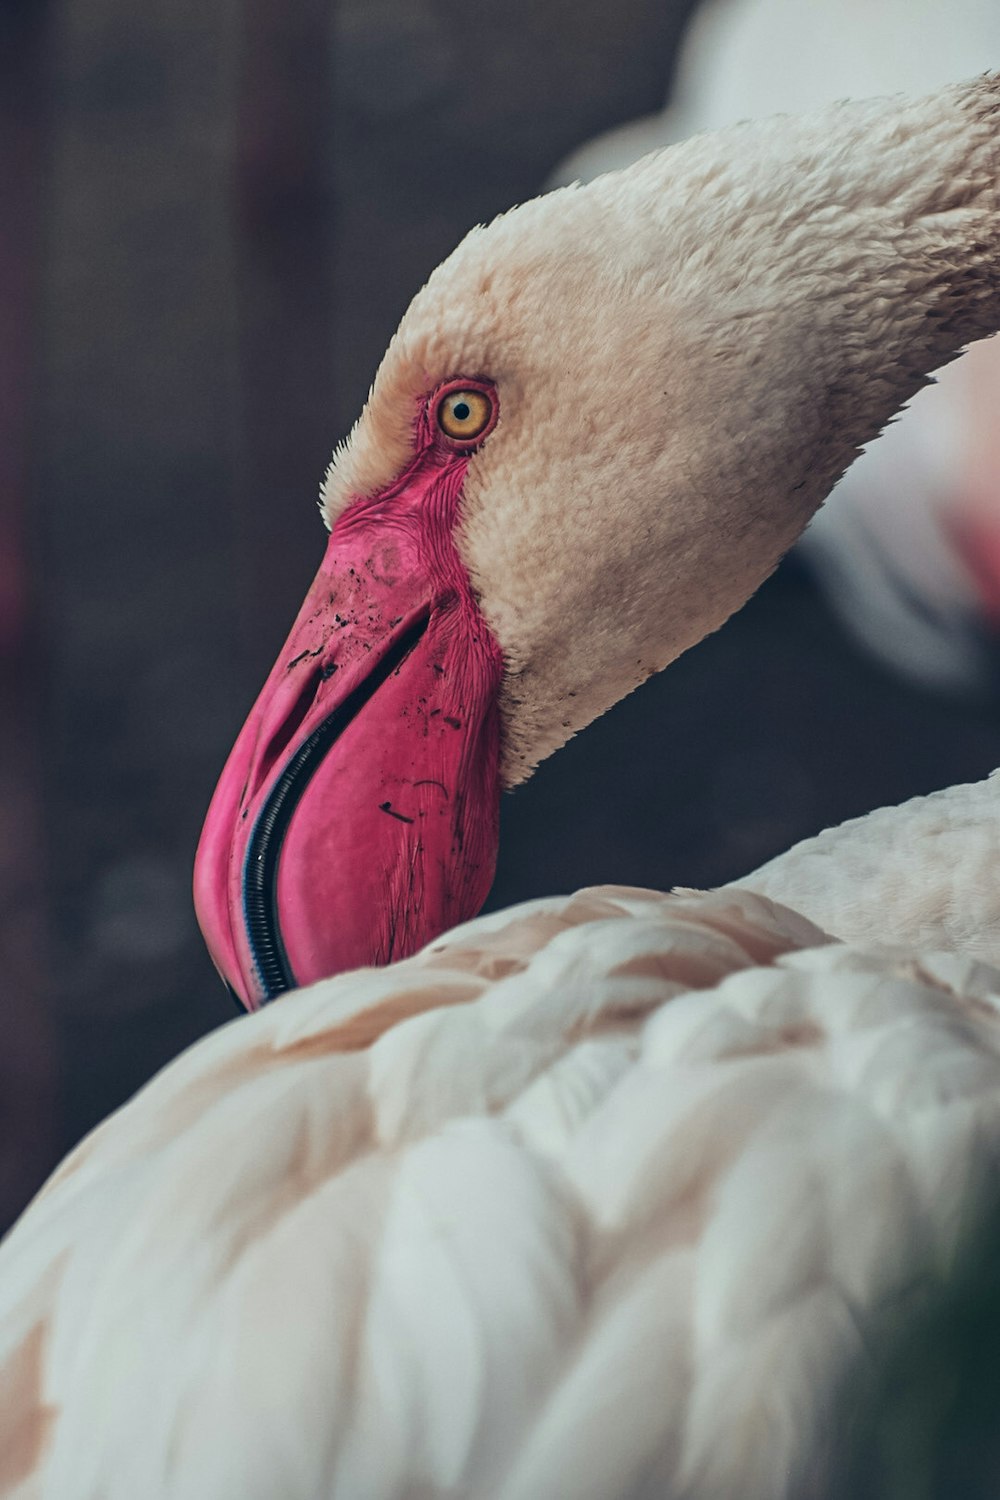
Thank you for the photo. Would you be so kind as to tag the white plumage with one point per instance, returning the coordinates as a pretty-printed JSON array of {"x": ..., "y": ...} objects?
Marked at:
[
  {"x": 905, "y": 549},
  {"x": 617, "y": 1195},
  {"x": 633, "y": 1186},
  {"x": 921, "y": 876}
]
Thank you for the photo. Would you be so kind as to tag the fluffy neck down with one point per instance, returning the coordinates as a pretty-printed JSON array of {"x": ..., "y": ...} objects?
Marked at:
[{"x": 689, "y": 354}]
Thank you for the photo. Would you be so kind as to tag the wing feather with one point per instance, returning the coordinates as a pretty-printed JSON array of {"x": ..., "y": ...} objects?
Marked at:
[{"x": 521, "y": 1216}]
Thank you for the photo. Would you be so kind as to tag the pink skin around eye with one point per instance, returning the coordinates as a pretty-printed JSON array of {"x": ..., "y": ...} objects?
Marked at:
[{"x": 356, "y": 818}]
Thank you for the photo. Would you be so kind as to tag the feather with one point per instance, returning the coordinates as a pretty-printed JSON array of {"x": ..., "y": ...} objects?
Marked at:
[{"x": 527, "y": 1241}]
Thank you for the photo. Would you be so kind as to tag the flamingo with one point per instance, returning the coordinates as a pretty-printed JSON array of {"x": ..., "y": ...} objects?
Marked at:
[
  {"x": 615, "y": 1195},
  {"x": 908, "y": 552}
]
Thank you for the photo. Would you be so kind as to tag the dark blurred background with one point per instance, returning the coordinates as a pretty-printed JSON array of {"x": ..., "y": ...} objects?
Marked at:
[{"x": 212, "y": 215}]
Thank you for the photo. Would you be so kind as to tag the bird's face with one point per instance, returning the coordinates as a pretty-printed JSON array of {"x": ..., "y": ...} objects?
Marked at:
[{"x": 597, "y": 429}]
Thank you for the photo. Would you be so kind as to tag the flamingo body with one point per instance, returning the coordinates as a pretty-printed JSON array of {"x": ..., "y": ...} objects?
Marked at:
[{"x": 579, "y": 1201}]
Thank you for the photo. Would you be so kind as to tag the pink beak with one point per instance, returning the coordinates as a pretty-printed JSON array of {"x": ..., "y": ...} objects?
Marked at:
[{"x": 356, "y": 818}]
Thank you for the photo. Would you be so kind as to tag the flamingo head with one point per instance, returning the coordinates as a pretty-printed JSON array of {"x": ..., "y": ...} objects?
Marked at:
[{"x": 596, "y": 431}]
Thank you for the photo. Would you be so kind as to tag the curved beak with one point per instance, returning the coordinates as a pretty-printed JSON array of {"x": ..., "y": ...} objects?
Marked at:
[{"x": 356, "y": 818}]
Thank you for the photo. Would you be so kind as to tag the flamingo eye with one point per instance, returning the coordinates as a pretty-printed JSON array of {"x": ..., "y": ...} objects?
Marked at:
[{"x": 465, "y": 414}]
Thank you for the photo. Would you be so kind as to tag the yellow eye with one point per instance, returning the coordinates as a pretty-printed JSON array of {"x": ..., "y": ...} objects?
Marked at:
[{"x": 465, "y": 414}]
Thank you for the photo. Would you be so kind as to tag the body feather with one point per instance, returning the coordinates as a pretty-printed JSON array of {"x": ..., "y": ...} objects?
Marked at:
[
  {"x": 610, "y": 1175},
  {"x": 921, "y": 875}
]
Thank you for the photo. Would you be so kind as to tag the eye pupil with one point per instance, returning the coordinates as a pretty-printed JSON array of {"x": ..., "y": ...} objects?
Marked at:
[{"x": 462, "y": 411}]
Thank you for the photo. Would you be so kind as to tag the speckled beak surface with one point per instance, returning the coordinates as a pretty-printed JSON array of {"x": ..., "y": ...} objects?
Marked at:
[{"x": 356, "y": 818}]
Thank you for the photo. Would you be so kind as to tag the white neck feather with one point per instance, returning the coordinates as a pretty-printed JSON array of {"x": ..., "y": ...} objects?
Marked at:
[{"x": 688, "y": 353}]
